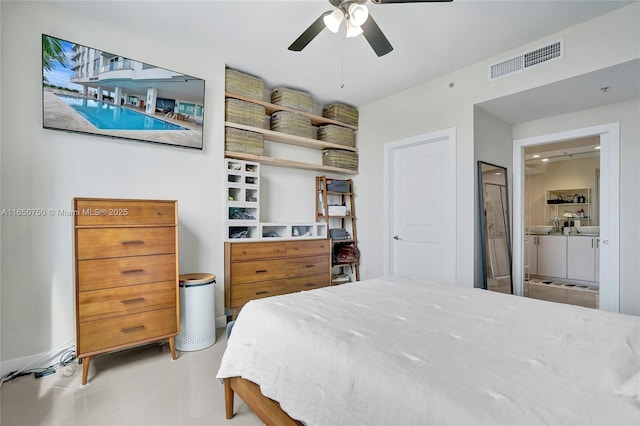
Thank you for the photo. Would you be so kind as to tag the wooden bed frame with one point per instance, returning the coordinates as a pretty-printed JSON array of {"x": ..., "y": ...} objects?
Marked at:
[{"x": 268, "y": 410}]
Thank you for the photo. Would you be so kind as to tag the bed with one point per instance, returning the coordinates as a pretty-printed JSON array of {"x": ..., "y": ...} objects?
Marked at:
[{"x": 401, "y": 351}]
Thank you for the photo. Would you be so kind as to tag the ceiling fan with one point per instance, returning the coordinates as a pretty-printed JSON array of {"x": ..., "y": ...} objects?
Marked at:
[{"x": 358, "y": 21}]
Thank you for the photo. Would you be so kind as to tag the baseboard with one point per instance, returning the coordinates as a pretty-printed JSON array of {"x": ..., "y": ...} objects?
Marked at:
[{"x": 221, "y": 321}]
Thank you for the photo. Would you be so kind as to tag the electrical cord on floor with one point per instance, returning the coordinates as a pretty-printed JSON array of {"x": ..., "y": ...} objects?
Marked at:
[{"x": 67, "y": 357}]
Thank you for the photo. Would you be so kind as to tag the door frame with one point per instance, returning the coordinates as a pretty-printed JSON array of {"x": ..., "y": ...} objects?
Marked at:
[
  {"x": 389, "y": 151},
  {"x": 609, "y": 200}
]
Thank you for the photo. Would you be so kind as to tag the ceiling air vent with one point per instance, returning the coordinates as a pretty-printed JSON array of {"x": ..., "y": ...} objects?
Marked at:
[{"x": 526, "y": 60}]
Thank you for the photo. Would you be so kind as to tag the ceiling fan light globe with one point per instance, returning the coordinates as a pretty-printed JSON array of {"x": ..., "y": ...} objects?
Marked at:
[
  {"x": 358, "y": 14},
  {"x": 353, "y": 30},
  {"x": 333, "y": 20}
]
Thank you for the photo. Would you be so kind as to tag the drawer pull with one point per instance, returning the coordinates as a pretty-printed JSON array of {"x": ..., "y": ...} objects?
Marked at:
[
  {"x": 132, "y": 242},
  {"x": 132, "y": 329},
  {"x": 309, "y": 266},
  {"x": 309, "y": 285},
  {"x": 134, "y": 300},
  {"x": 262, "y": 292},
  {"x": 260, "y": 271},
  {"x": 131, "y": 271}
]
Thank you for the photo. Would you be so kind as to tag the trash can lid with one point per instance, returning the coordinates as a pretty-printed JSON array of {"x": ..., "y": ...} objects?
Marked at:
[{"x": 197, "y": 278}]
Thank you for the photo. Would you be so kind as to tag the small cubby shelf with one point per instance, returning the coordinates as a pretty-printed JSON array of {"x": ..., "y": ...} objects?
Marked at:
[
  {"x": 243, "y": 209},
  {"x": 290, "y": 231}
]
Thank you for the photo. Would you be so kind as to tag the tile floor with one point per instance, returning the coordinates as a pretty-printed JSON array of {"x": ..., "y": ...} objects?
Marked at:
[{"x": 140, "y": 386}]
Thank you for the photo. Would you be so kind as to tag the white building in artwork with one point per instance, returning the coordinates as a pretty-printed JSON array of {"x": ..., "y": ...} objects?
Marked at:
[{"x": 123, "y": 81}]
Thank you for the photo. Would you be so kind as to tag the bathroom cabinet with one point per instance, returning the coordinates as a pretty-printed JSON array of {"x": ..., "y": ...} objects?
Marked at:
[
  {"x": 582, "y": 258},
  {"x": 562, "y": 257},
  {"x": 552, "y": 256}
]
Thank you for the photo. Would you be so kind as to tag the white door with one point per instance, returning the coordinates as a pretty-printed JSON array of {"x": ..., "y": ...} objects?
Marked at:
[{"x": 422, "y": 207}]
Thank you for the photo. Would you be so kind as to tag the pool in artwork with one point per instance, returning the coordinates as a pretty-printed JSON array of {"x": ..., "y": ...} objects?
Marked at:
[{"x": 107, "y": 116}]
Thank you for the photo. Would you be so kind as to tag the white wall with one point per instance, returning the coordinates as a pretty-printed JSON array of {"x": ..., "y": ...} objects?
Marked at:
[
  {"x": 626, "y": 113},
  {"x": 46, "y": 169},
  {"x": 435, "y": 105}
]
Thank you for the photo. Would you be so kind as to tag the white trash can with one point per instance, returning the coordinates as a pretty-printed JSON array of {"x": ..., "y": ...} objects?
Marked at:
[{"x": 197, "y": 312}]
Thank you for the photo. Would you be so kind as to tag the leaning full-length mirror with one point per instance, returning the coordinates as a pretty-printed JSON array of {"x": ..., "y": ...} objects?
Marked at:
[{"x": 494, "y": 220}]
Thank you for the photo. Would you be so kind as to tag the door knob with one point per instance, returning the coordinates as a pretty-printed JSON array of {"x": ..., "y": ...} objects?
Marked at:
[{"x": 395, "y": 237}]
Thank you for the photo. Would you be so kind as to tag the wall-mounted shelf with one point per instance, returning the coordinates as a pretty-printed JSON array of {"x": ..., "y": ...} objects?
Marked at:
[
  {"x": 316, "y": 120},
  {"x": 291, "y": 139},
  {"x": 560, "y": 201},
  {"x": 279, "y": 162}
]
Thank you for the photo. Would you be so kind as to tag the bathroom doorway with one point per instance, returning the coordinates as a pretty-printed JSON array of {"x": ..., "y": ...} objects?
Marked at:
[
  {"x": 561, "y": 218},
  {"x": 607, "y": 273}
]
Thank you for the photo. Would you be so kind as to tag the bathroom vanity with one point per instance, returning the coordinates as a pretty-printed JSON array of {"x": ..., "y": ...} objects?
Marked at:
[{"x": 561, "y": 257}]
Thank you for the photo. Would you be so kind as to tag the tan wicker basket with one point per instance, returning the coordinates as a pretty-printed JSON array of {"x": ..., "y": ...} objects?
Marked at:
[
  {"x": 342, "y": 113},
  {"x": 243, "y": 141},
  {"x": 242, "y": 112},
  {"x": 337, "y": 134},
  {"x": 340, "y": 158},
  {"x": 296, "y": 99},
  {"x": 244, "y": 84},
  {"x": 292, "y": 123}
]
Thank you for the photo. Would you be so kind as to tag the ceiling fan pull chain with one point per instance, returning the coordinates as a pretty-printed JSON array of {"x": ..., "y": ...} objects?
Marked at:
[{"x": 342, "y": 64}]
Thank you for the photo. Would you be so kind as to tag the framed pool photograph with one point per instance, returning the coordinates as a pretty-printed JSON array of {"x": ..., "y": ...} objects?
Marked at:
[{"x": 91, "y": 91}]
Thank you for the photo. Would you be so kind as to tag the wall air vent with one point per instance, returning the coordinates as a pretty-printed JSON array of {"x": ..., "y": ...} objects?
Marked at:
[{"x": 526, "y": 60}]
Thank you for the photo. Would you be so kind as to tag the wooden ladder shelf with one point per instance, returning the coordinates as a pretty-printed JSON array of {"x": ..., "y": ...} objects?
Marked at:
[{"x": 345, "y": 220}]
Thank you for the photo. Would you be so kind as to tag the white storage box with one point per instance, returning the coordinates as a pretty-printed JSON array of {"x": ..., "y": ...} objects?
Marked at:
[{"x": 337, "y": 210}]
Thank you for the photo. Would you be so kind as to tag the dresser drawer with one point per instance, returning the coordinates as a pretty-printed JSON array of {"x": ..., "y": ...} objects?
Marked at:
[
  {"x": 95, "y": 274},
  {"x": 101, "y": 304},
  {"x": 124, "y": 330},
  {"x": 263, "y": 270},
  {"x": 242, "y": 293},
  {"x": 307, "y": 283},
  {"x": 119, "y": 242},
  {"x": 302, "y": 248},
  {"x": 309, "y": 265},
  {"x": 250, "y": 251},
  {"x": 92, "y": 212}
]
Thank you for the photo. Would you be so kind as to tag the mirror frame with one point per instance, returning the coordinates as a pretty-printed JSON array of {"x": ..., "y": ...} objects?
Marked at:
[{"x": 482, "y": 212}]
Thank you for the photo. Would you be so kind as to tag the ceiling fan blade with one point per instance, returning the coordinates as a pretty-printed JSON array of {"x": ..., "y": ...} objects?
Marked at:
[
  {"x": 372, "y": 32},
  {"x": 309, "y": 34},
  {"x": 408, "y": 1}
]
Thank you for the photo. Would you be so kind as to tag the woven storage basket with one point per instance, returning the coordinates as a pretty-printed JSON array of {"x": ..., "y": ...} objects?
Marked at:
[
  {"x": 342, "y": 113},
  {"x": 242, "y": 112},
  {"x": 292, "y": 123},
  {"x": 340, "y": 158},
  {"x": 296, "y": 99},
  {"x": 244, "y": 84},
  {"x": 337, "y": 134},
  {"x": 237, "y": 140}
]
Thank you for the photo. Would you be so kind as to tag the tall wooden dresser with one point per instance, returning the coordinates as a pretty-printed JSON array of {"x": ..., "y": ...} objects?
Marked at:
[
  {"x": 254, "y": 270},
  {"x": 126, "y": 272}
]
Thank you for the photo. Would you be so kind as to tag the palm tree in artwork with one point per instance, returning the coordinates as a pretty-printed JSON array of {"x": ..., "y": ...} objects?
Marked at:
[{"x": 52, "y": 51}]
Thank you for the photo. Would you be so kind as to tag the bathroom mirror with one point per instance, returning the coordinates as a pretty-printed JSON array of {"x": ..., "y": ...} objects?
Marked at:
[{"x": 495, "y": 225}]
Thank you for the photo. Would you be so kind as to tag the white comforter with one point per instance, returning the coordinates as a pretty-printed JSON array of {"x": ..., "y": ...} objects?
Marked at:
[{"x": 401, "y": 352}]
